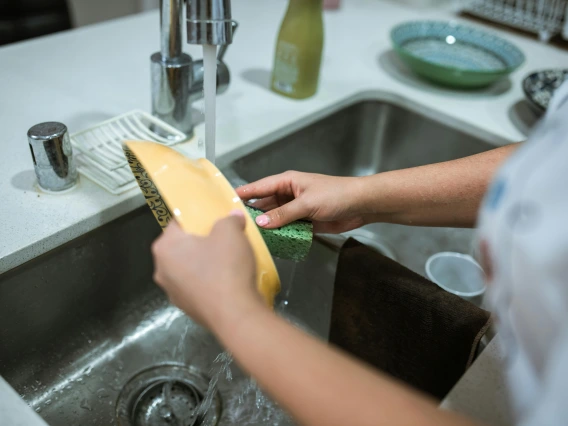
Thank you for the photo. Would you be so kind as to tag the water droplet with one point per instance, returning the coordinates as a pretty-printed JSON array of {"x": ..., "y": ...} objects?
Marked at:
[
  {"x": 85, "y": 405},
  {"x": 48, "y": 402},
  {"x": 102, "y": 393}
]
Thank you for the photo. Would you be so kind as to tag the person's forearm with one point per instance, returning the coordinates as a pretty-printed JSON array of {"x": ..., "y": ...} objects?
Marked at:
[
  {"x": 442, "y": 194},
  {"x": 320, "y": 385}
]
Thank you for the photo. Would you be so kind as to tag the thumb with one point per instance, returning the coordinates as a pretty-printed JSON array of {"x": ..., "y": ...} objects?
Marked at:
[
  {"x": 234, "y": 223},
  {"x": 282, "y": 215}
]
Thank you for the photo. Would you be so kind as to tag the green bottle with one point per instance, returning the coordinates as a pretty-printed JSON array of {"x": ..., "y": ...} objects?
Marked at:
[{"x": 298, "y": 50}]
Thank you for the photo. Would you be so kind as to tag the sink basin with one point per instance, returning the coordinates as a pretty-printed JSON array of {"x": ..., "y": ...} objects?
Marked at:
[
  {"x": 80, "y": 322},
  {"x": 87, "y": 337}
]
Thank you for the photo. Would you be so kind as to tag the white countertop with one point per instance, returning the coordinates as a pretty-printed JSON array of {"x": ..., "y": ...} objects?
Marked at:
[{"x": 85, "y": 76}]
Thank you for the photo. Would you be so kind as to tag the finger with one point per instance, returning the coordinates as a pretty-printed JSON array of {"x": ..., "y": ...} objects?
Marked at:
[
  {"x": 282, "y": 215},
  {"x": 159, "y": 244},
  {"x": 266, "y": 187},
  {"x": 266, "y": 204},
  {"x": 173, "y": 224},
  {"x": 237, "y": 212},
  {"x": 171, "y": 233},
  {"x": 157, "y": 277},
  {"x": 173, "y": 227},
  {"x": 234, "y": 224}
]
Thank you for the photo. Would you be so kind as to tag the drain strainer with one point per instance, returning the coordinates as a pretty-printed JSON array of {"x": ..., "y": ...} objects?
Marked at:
[{"x": 167, "y": 394}]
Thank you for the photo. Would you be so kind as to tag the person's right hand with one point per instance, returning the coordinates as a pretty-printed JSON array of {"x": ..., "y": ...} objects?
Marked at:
[
  {"x": 211, "y": 278},
  {"x": 331, "y": 203}
]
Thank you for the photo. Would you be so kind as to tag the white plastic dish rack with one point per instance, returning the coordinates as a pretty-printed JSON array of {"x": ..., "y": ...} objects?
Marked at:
[{"x": 100, "y": 156}]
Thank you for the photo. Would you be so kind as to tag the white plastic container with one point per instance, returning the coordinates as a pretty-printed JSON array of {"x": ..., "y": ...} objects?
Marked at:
[{"x": 458, "y": 274}]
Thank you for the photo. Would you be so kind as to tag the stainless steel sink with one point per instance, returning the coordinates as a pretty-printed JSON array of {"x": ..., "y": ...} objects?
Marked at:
[
  {"x": 83, "y": 325},
  {"x": 78, "y": 323}
]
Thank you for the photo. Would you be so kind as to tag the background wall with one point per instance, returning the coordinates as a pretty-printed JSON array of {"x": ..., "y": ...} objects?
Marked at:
[{"x": 85, "y": 12}]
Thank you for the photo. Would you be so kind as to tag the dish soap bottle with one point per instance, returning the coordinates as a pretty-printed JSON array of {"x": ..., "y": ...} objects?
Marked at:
[{"x": 299, "y": 50}]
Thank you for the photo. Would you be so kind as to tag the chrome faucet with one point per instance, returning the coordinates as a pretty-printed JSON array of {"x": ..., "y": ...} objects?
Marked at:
[{"x": 177, "y": 80}]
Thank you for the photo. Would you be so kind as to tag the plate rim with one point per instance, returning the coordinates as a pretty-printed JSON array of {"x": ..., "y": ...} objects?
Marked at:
[{"x": 504, "y": 71}]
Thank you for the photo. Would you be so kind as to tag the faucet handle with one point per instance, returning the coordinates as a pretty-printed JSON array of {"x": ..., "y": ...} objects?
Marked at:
[
  {"x": 224, "y": 47},
  {"x": 52, "y": 154}
]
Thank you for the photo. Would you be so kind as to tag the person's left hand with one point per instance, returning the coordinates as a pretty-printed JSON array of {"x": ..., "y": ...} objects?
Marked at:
[{"x": 211, "y": 278}]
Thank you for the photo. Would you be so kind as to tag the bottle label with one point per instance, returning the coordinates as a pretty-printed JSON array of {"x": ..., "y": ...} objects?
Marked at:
[{"x": 286, "y": 67}]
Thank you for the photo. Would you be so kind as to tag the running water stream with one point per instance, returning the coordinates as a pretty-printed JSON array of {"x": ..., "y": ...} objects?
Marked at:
[
  {"x": 222, "y": 365},
  {"x": 242, "y": 410},
  {"x": 209, "y": 94}
]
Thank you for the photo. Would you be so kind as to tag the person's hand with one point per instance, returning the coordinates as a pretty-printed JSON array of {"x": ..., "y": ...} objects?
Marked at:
[
  {"x": 210, "y": 278},
  {"x": 332, "y": 203}
]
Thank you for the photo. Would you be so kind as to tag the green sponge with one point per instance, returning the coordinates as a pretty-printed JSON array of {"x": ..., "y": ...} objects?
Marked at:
[{"x": 292, "y": 241}]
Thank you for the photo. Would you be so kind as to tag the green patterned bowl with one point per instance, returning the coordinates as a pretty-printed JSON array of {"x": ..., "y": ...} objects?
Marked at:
[{"x": 455, "y": 55}]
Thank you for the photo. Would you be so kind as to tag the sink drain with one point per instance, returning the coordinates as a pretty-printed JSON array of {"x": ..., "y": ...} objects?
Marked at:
[{"x": 167, "y": 394}]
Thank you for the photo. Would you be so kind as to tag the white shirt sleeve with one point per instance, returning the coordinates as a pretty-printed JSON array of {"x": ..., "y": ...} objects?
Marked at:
[
  {"x": 552, "y": 408},
  {"x": 524, "y": 231}
]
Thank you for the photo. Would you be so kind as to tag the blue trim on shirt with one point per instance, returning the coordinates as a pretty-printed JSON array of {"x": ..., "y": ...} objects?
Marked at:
[{"x": 495, "y": 194}]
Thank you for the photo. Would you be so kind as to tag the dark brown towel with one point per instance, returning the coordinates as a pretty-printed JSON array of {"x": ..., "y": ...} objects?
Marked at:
[{"x": 401, "y": 323}]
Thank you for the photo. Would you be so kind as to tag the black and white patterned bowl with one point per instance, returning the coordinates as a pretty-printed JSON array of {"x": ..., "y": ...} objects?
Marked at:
[{"x": 541, "y": 85}]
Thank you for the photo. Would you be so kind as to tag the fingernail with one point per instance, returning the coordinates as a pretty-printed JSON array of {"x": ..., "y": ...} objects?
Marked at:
[
  {"x": 236, "y": 212},
  {"x": 262, "y": 220}
]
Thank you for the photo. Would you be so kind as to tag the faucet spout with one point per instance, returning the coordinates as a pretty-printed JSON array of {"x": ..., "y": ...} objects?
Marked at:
[
  {"x": 171, "y": 18},
  {"x": 209, "y": 22},
  {"x": 177, "y": 80}
]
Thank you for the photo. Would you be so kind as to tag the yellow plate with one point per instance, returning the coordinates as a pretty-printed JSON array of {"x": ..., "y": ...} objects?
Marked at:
[{"x": 197, "y": 194}]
